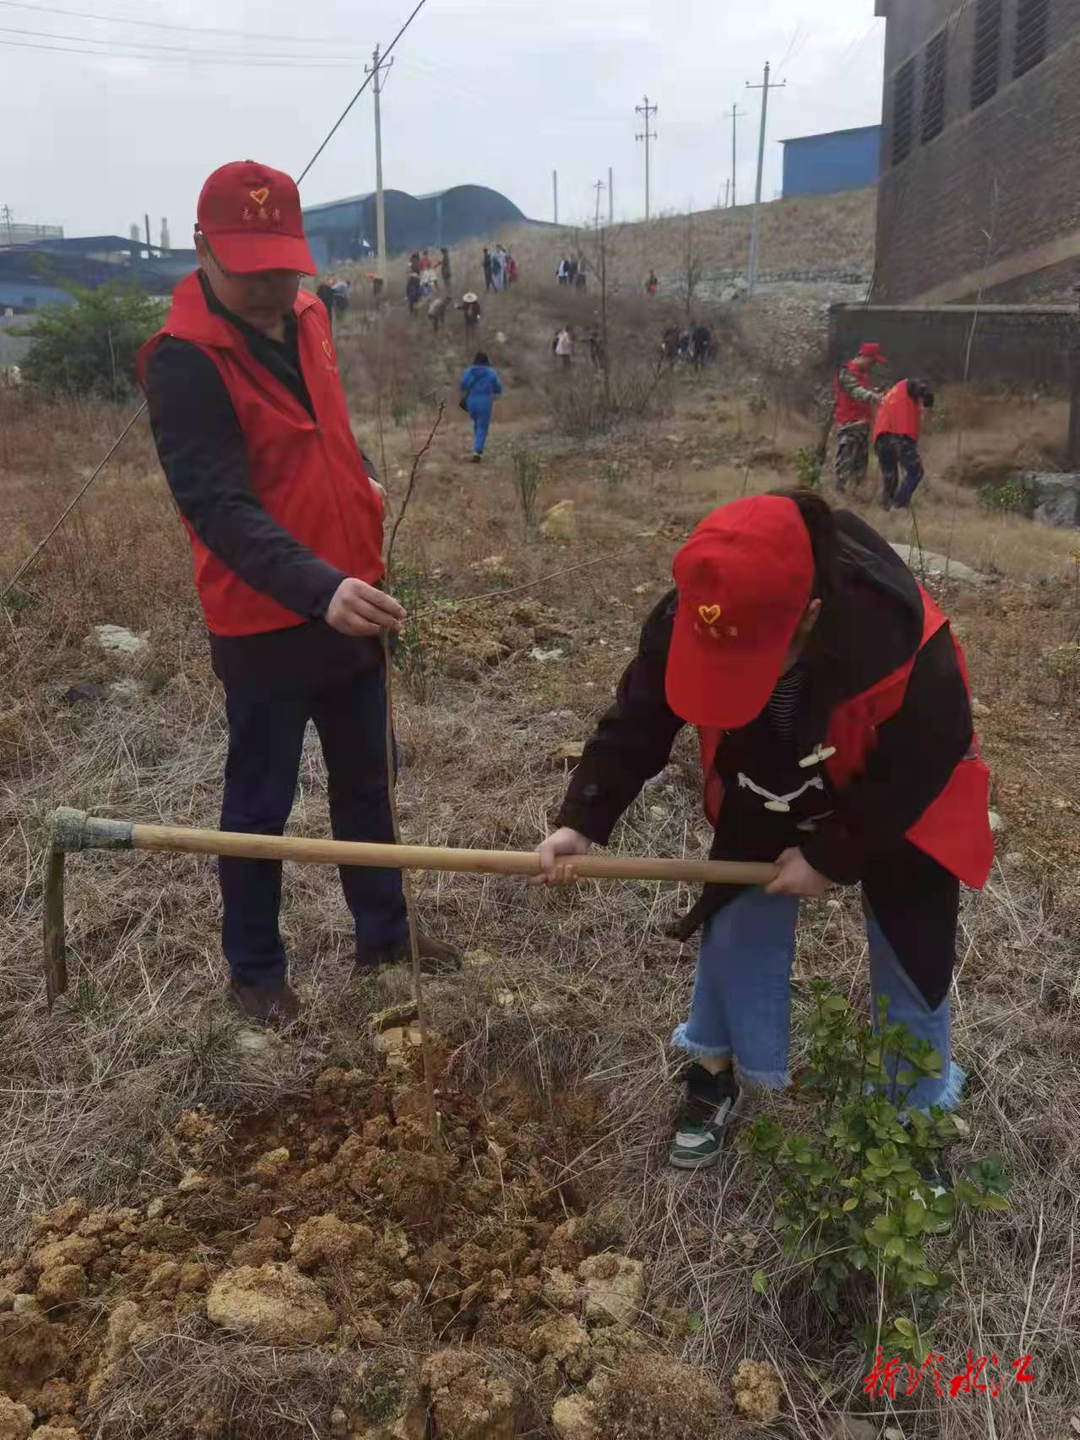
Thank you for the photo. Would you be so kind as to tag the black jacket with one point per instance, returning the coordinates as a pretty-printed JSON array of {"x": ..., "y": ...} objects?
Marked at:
[{"x": 871, "y": 627}]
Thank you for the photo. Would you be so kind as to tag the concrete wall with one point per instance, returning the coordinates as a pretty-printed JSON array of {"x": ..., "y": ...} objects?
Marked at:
[
  {"x": 826, "y": 164},
  {"x": 1013, "y": 345},
  {"x": 1009, "y": 169}
]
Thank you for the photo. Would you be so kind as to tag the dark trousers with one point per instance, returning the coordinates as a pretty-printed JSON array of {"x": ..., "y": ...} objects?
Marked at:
[
  {"x": 266, "y": 737},
  {"x": 893, "y": 453}
]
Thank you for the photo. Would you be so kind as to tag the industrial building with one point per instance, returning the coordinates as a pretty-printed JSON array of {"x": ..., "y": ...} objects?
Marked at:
[
  {"x": 345, "y": 229},
  {"x": 980, "y": 152},
  {"x": 838, "y": 160},
  {"x": 44, "y": 272}
]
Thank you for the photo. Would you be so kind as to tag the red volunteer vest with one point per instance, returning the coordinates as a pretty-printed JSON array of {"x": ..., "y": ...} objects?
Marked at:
[
  {"x": 954, "y": 830},
  {"x": 898, "y": 414},
  {"x": 307, "y": 473},
  {"x": 850, "y": 411}
]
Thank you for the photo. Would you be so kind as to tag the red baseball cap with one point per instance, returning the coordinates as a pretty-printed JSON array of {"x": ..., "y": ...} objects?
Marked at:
[
  {"x": 251, "y": 216},
  {"x": 745, "y": 578},
  {"x": 873, "y": 352}
]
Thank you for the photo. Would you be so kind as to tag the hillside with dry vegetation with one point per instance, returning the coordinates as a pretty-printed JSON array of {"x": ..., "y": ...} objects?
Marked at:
[{"x": 211, "y": 1231}]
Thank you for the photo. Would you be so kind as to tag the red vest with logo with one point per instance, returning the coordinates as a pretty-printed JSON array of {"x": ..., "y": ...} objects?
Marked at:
[
  {"x": 899, "y": 414},
  {"x": 307, "y": 473},
  {"x": 954, "y": 829},
  {"x": 850, "y": 411}
]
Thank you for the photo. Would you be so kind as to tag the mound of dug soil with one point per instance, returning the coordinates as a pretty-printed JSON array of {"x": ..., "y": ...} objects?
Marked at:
[{"x": 314, "y": 1274}]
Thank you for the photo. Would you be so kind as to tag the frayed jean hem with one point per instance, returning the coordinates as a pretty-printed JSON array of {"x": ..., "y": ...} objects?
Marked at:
[
  {"x": 681, "y": 1041},
  {"x": 761, "y": 1079}
]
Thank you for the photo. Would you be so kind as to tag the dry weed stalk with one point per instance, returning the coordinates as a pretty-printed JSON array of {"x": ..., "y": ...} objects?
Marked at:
[{"x": 406, "y": 879}]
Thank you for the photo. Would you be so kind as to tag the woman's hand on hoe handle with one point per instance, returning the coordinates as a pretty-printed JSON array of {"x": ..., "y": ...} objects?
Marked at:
[
  {"x": 798, "y": 877},
  {"x": 560, "y": 846}
]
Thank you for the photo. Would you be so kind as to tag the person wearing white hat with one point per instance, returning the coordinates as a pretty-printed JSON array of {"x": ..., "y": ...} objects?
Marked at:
[{"x": 470, "y": 307}]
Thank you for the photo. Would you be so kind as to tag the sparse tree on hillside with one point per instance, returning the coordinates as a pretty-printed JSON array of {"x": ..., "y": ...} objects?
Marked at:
[{"x": 88, "y": 349}]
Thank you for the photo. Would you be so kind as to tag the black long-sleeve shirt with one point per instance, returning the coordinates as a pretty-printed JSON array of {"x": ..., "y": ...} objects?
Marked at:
[{"x": 201, "y": 447}]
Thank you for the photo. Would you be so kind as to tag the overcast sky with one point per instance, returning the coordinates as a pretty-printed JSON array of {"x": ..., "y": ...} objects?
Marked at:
[{"x": 491, "y": 92}]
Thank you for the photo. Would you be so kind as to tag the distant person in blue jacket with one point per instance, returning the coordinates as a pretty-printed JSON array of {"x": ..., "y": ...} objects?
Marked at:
[{"x": 479, "y": 387}]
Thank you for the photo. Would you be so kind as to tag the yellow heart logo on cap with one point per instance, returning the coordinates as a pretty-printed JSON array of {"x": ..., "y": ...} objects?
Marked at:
[
  {"x": 260, "y": 196},
  {"x": 710, "y": 613}
]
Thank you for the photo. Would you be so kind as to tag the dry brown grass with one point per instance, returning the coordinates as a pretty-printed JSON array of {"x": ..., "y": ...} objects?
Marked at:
[{"x": 578, "y": 991}]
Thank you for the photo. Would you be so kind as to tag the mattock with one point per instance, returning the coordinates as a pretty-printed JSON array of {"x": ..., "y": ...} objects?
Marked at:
[{"x": 74, "y": 830}]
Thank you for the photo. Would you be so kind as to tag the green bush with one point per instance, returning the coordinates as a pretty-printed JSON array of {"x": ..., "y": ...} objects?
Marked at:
[
  {"x": 855, "y": 1204},
  {"x": 1004, "y": 497},
  {"x": 809, "y": 463},
  {"x": 88, "y": 349}
]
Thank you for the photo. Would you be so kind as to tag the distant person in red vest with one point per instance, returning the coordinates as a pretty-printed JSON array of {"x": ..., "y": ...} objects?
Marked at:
[
  {"x": 897, "y": 428},
  {"x": 834, "y": 718},
  {"x": 853, "y": 416},
  {"x": 286, "y": 525}
]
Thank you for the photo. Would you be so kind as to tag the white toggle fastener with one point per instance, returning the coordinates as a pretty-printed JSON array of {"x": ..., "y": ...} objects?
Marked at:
[
  {"x": 780, "y": 804},
  {"x": 818, "y": 756}
]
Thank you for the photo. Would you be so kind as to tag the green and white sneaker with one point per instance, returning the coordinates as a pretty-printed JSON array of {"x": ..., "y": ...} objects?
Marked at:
[{"x": 711, "y": 1101}]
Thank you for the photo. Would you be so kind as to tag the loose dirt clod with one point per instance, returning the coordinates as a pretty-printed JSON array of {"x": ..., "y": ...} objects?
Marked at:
[
  {"x": 274, "y": 1304},
  {"x": 614, "y": 1289},
  {"x": 15, "y": 1420},
  {"x": 758, "y": 1390}
]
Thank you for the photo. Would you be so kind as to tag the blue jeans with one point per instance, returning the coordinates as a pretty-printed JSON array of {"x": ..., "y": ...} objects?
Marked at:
[
  {"x": 266, "y": 738},
  {"x": 742, "y": 996},
  {"x": 481, "y": 419}
]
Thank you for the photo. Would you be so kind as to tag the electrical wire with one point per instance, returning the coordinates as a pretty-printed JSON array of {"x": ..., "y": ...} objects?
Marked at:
[
  {"x": 194, "y": 59},
  {"x": 341, "y": 118},
  {"x": 162, "y": 25},
  {"x": 240, "y": 55}
]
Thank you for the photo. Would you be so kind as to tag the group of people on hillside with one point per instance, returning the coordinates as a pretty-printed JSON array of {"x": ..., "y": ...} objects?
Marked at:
[
  {"x": 500, "y": 268},
  {"x": 890, "y": 421},
  {"x": 829, "y": 693},
  {"x": 572, "y": 272}
]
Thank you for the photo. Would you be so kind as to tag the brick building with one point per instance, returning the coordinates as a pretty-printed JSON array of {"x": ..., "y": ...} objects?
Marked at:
[{"x": 980, "y": 163}]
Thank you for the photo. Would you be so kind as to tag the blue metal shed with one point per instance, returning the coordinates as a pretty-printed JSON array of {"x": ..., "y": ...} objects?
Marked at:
[{"x": 838, "y": 160}]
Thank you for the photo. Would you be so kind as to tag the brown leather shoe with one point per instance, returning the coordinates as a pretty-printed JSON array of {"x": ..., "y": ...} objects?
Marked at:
[
  {"x": 436, "y": 957},
  {"x": 274, "y": 1005}
]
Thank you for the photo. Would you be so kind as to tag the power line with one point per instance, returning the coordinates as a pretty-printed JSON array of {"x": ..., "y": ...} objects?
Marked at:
[
  {"x": 176, "y": 49},
  {"x": 162, "y": 25},
  {"x": 341, "y": 118},
  {"x": 193, "y": 59}
]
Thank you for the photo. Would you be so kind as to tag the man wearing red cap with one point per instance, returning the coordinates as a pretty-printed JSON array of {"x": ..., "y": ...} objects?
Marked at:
[
  {"x": 836, "y": 740},
  {"x": 285, "y": 522},
  {"x": 853, "y": 414}
]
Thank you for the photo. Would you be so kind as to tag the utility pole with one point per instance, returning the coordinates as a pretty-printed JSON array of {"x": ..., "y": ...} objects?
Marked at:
[
  {"x": 7, "y": 219},
  {"x": 610, "y": 196},
  {"x": 755, "y": 229},
  {"x": 598, "y": 187},
  {"x": 734, "y": 115},
  {"x": 648, "y": 111},
  {"x": 555, "y": 188},
  {"x": 377, "y": 84}
]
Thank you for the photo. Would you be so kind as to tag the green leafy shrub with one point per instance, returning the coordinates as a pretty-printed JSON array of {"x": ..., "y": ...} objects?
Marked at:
[
  {"x": 856, "y": 1204},
  {"x": 809, "y": 463},
  {"x": 87, "y": 349},
  {"x": 1004, "y": 497}
]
